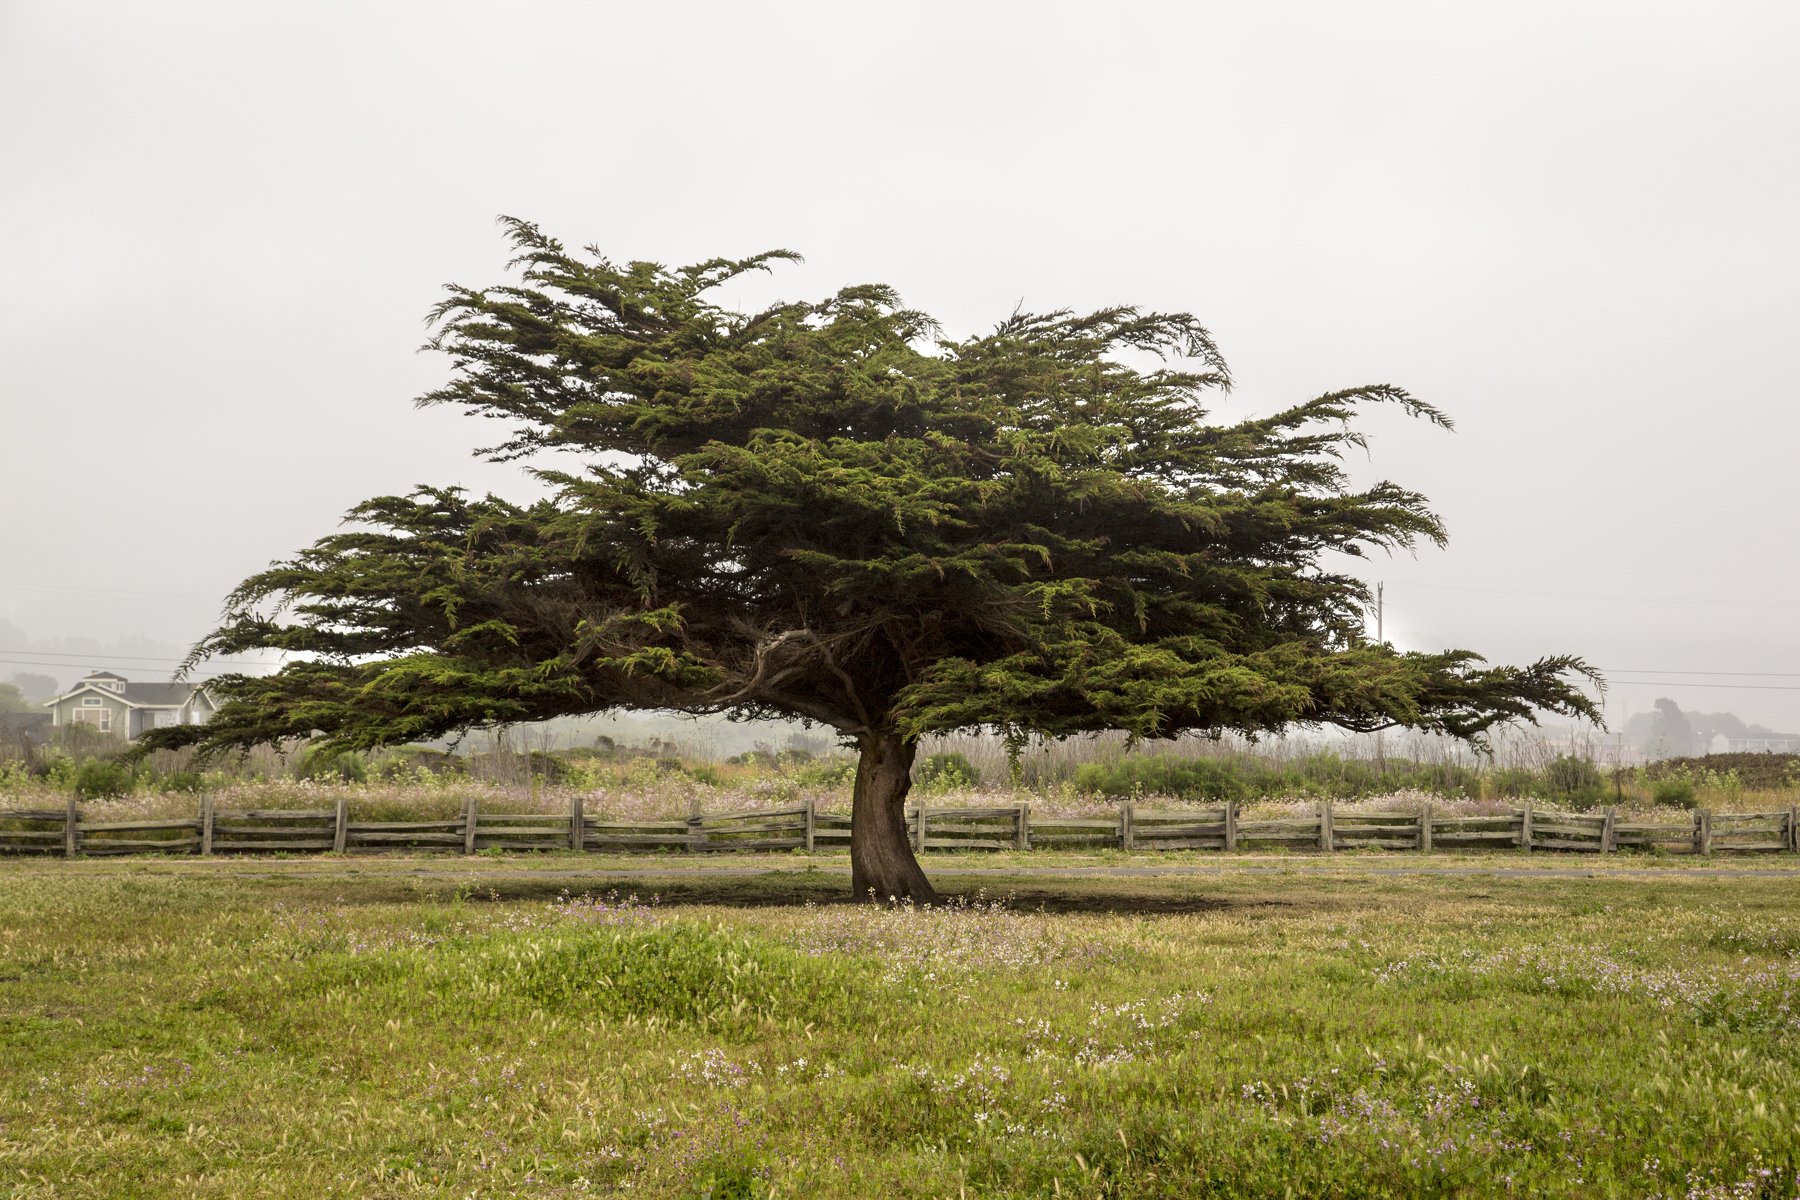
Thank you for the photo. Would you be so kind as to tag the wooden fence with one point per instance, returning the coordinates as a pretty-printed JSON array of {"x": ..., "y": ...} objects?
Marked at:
[{"x": 993, "y": 827}]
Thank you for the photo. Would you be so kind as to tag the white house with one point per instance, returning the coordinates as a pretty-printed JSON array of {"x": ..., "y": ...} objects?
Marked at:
[
  {"x": 113, "y": 704},
  {"x": 1722, "y": 744}
]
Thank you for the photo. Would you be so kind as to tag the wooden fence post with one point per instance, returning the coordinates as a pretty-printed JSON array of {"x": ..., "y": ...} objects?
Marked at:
[
  {"x": 812, "y": 824},
  {"x": 696, "y": 835},
  {"x": 1326, "y": 836},
  {"x": 1231, "y": 826},
  {"x": 1127, "y": 833},
  {"x": 919, "y": 828},
  {"x": 1525, "y": 826},
  {"x": 1022, "y": 828},
  {"x": 469, "y": 825},
  {"x": 1794, "y": 827},
  {"x": 1425, "y": 828},
  {"x": 1609, "y": 830},
  {"x": 340, "y": 825},
  {"x": 1703, "y": 831},
  {"x": 71, "y": 835},
  {"x": 206, "y": 822},
  {"x": 576, "y": 820}
]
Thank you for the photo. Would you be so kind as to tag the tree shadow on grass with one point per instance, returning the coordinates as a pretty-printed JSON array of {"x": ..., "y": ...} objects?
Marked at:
[{"x": 1109, "y": 896}]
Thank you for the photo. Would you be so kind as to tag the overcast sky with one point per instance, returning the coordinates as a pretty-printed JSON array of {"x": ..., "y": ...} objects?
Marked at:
[{"x": 1572, "y": 225}]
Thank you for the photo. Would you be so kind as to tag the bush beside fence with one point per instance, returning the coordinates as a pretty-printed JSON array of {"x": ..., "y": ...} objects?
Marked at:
[{"x": 997, "y": 827}]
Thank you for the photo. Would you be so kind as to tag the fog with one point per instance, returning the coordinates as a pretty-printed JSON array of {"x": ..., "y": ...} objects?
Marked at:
[{"x": 1570, "y": 226}]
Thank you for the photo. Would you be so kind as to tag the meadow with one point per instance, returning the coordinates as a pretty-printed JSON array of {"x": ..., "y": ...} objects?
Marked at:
[{"x": 471, "y": 1027}]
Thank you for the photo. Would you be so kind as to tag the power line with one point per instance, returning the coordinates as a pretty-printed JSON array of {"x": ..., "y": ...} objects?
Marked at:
[
  {"x": 1685, "y": 683},
  {"x": 1747, "y": 674}
]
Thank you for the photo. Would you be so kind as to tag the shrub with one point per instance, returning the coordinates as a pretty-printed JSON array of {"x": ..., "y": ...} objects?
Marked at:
[
  {"x": 346, "y": 766},
  {"x": 1749, "y": 769},
  {"x": 59, "y": 770},
  {"x": 1574, "y": 781},
  {"x": 1674, "y": 792},
  {"x": 1512, "y": 783},
  {"x": 180, "y": 781},
  {"x": 947, "y": 771},
  {"x": 1161, "y": 774},
  {"x": 100, "y": 777},
  {"x": 831, "y": 772},
  {"x": 406, "y": 764},
  {"x": 507, "y": 766}
]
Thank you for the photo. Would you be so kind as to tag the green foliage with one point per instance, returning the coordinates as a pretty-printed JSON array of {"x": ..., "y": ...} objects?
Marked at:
[
  {"x": 12, "y": 700},
  {"x": 1164, "y": 775},
  {"x": 58, "y": 769},
  {"x": 1675, "y": 791},
  {"x": 1686, "y": 782},
  {"x": 327, "y": 763},
  {"x": 1575, "y": 782},
  {"x": 1751, "y": 770},
  {"x": 799, "y": 767},
  {"x": 181, "y": 781},
  {"x": 1568, "y": 773},
  {"x": 827, "y": 510},
  {"x": 536, "y": 764},
  {"x": 100, "y": 778},
  {"x": 411, "y": 763},
  {"x": 1324, "y": 775},
  {"x": 946, "y": 771},
  {"x": 1512, "y": 782},
  {"x": 832, "y": 771}
]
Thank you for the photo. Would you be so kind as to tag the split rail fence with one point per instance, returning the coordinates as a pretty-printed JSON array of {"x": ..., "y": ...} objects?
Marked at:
[{"x": 994, "y": 827}]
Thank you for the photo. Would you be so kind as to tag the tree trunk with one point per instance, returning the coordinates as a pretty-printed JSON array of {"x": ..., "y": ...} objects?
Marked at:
[{"x": 882, "y": 866}]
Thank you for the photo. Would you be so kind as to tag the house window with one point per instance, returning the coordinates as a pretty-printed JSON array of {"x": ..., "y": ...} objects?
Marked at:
[
  {"x": 101, "y": 718},
  {"x": 91, "y": 701}
]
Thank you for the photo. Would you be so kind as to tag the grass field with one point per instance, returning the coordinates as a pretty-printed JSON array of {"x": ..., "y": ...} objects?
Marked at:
[{"x": 453, "y": 1027}]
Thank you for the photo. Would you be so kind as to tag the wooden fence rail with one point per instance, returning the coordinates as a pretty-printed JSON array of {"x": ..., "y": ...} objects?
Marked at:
[{"x": 1132, "y": 827}]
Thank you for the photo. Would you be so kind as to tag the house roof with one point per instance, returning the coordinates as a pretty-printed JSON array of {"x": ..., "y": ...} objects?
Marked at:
[
  {"x": 105, "y": 675},
  {"x": 158, "y": 694},
  {"x": 136, "y": 695}
]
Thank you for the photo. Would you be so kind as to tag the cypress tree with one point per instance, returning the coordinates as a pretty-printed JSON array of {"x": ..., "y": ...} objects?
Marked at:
[{"x": 831, "y": 511}]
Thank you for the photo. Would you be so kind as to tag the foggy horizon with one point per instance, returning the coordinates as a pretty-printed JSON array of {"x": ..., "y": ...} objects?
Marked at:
[{"x": 1571, "y": 229}]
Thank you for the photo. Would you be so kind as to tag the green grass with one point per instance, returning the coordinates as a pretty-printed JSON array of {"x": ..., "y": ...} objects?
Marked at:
[{"x": 407, "y": 1027}]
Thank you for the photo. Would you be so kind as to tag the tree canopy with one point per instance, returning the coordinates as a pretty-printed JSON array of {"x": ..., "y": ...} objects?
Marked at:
[{"x": 831, "y": 510}]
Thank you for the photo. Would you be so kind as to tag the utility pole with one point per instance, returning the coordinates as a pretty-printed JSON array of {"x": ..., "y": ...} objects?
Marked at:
[{"x": 1381, "y": 637}]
